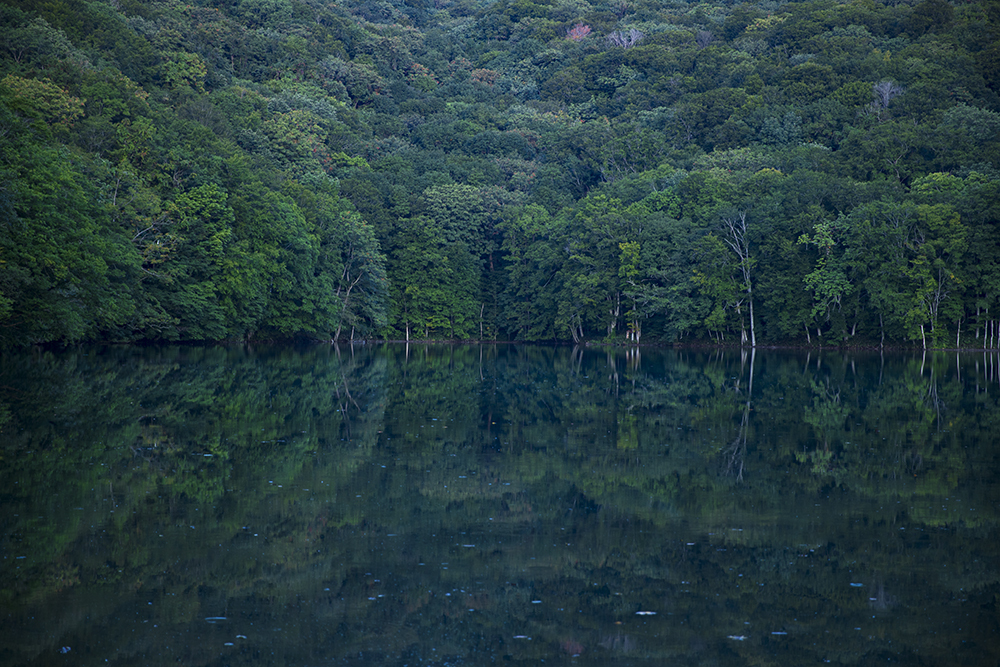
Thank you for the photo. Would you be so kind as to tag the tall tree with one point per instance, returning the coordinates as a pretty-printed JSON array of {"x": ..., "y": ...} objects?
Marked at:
[{"x": 736, "y": 235}]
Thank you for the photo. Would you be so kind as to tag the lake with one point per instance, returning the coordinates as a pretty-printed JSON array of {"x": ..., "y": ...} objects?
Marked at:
[{"x": 479, "y": 504}]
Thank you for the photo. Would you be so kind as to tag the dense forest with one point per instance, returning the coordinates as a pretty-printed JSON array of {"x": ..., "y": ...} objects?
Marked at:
[
  {"x": 775, "y": 172},
  {"x": 847, "y": 498}
]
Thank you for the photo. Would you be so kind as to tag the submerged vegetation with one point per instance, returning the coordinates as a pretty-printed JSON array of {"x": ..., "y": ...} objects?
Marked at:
[{"x": 771, "y": 172}]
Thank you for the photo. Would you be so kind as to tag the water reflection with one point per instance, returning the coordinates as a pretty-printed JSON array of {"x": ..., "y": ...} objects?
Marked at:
[{"x": 471, "y": 504}]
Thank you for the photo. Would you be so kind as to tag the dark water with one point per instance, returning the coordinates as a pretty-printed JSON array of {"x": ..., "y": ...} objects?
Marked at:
[{"x": 510, "y": 505}]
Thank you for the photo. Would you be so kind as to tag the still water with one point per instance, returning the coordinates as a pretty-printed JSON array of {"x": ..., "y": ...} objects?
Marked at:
[{"x": 472, "y": 505}]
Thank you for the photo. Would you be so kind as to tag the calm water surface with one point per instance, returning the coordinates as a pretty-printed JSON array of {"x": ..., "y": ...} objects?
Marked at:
[{"x": 472, "y": 505}]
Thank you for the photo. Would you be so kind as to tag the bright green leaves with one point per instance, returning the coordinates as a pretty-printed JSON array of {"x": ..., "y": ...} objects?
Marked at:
[
  {"x": 363, "y": 285},
  {"x": 262, "y": 264},
  {"x": 936, "y": 245},
  {"x": 44, "y": 100},
  {"x": 334, "y": 278},
  {"x": 715, "y": 277},
  {"x": 828, "y": 281},
  {"x": 531, "y": 245},
  {"x": 629, "y": 266},
  {"x": 435, "y": 283},
  {"x": 230, "y": 195},
  {"x": 908, "y": 259},
  {"x": 191, "y": 282},
  {"x": 458, "y": 212},
  {"x": 260, "y": 13},
  {"x": 134, "y": 142},
  {"x": 206, "y": 221},
  {"x": 298, "y": 138},
  {"x": 65, "y": 275},
  {"x": 592, "y": 287},
  {"x": 183, "y": 71},
  {"x": 629, "y": 270}
]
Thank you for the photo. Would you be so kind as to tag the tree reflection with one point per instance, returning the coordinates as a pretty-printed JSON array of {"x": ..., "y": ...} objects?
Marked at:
[{"x": 385, "y": 501}]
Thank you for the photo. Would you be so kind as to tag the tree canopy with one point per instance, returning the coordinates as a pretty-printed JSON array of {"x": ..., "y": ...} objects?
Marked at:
[{"x": 773, "y": 172}]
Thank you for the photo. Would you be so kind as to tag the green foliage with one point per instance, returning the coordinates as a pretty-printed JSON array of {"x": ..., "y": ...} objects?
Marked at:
[
  {"x": 434, "y": 282},
  {"x": 44, "y": 100},
  {"x": 66, "y": 273},
  {"x": 185, "y": 138}
]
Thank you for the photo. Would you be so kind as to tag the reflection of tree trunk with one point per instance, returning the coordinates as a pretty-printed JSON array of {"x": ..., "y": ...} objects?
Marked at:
[
  {"x": 613, "y": 363},
  {"x": 633, "y": 357},
  {"x": 735, "y": 455},
  {"x": 880, "y": 600},
  {"x": 933, "y": 398}
]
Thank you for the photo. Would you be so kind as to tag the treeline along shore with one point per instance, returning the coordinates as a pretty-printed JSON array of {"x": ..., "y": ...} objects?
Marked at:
[{"x": 771, "y": 173}]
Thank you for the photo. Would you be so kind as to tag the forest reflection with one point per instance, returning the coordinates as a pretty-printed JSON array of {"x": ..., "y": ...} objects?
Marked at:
[{"x": 431, "y": 504}]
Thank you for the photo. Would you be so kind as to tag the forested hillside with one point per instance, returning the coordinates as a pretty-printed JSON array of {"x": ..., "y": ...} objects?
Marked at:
[{"x": 805, "y": 173}]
